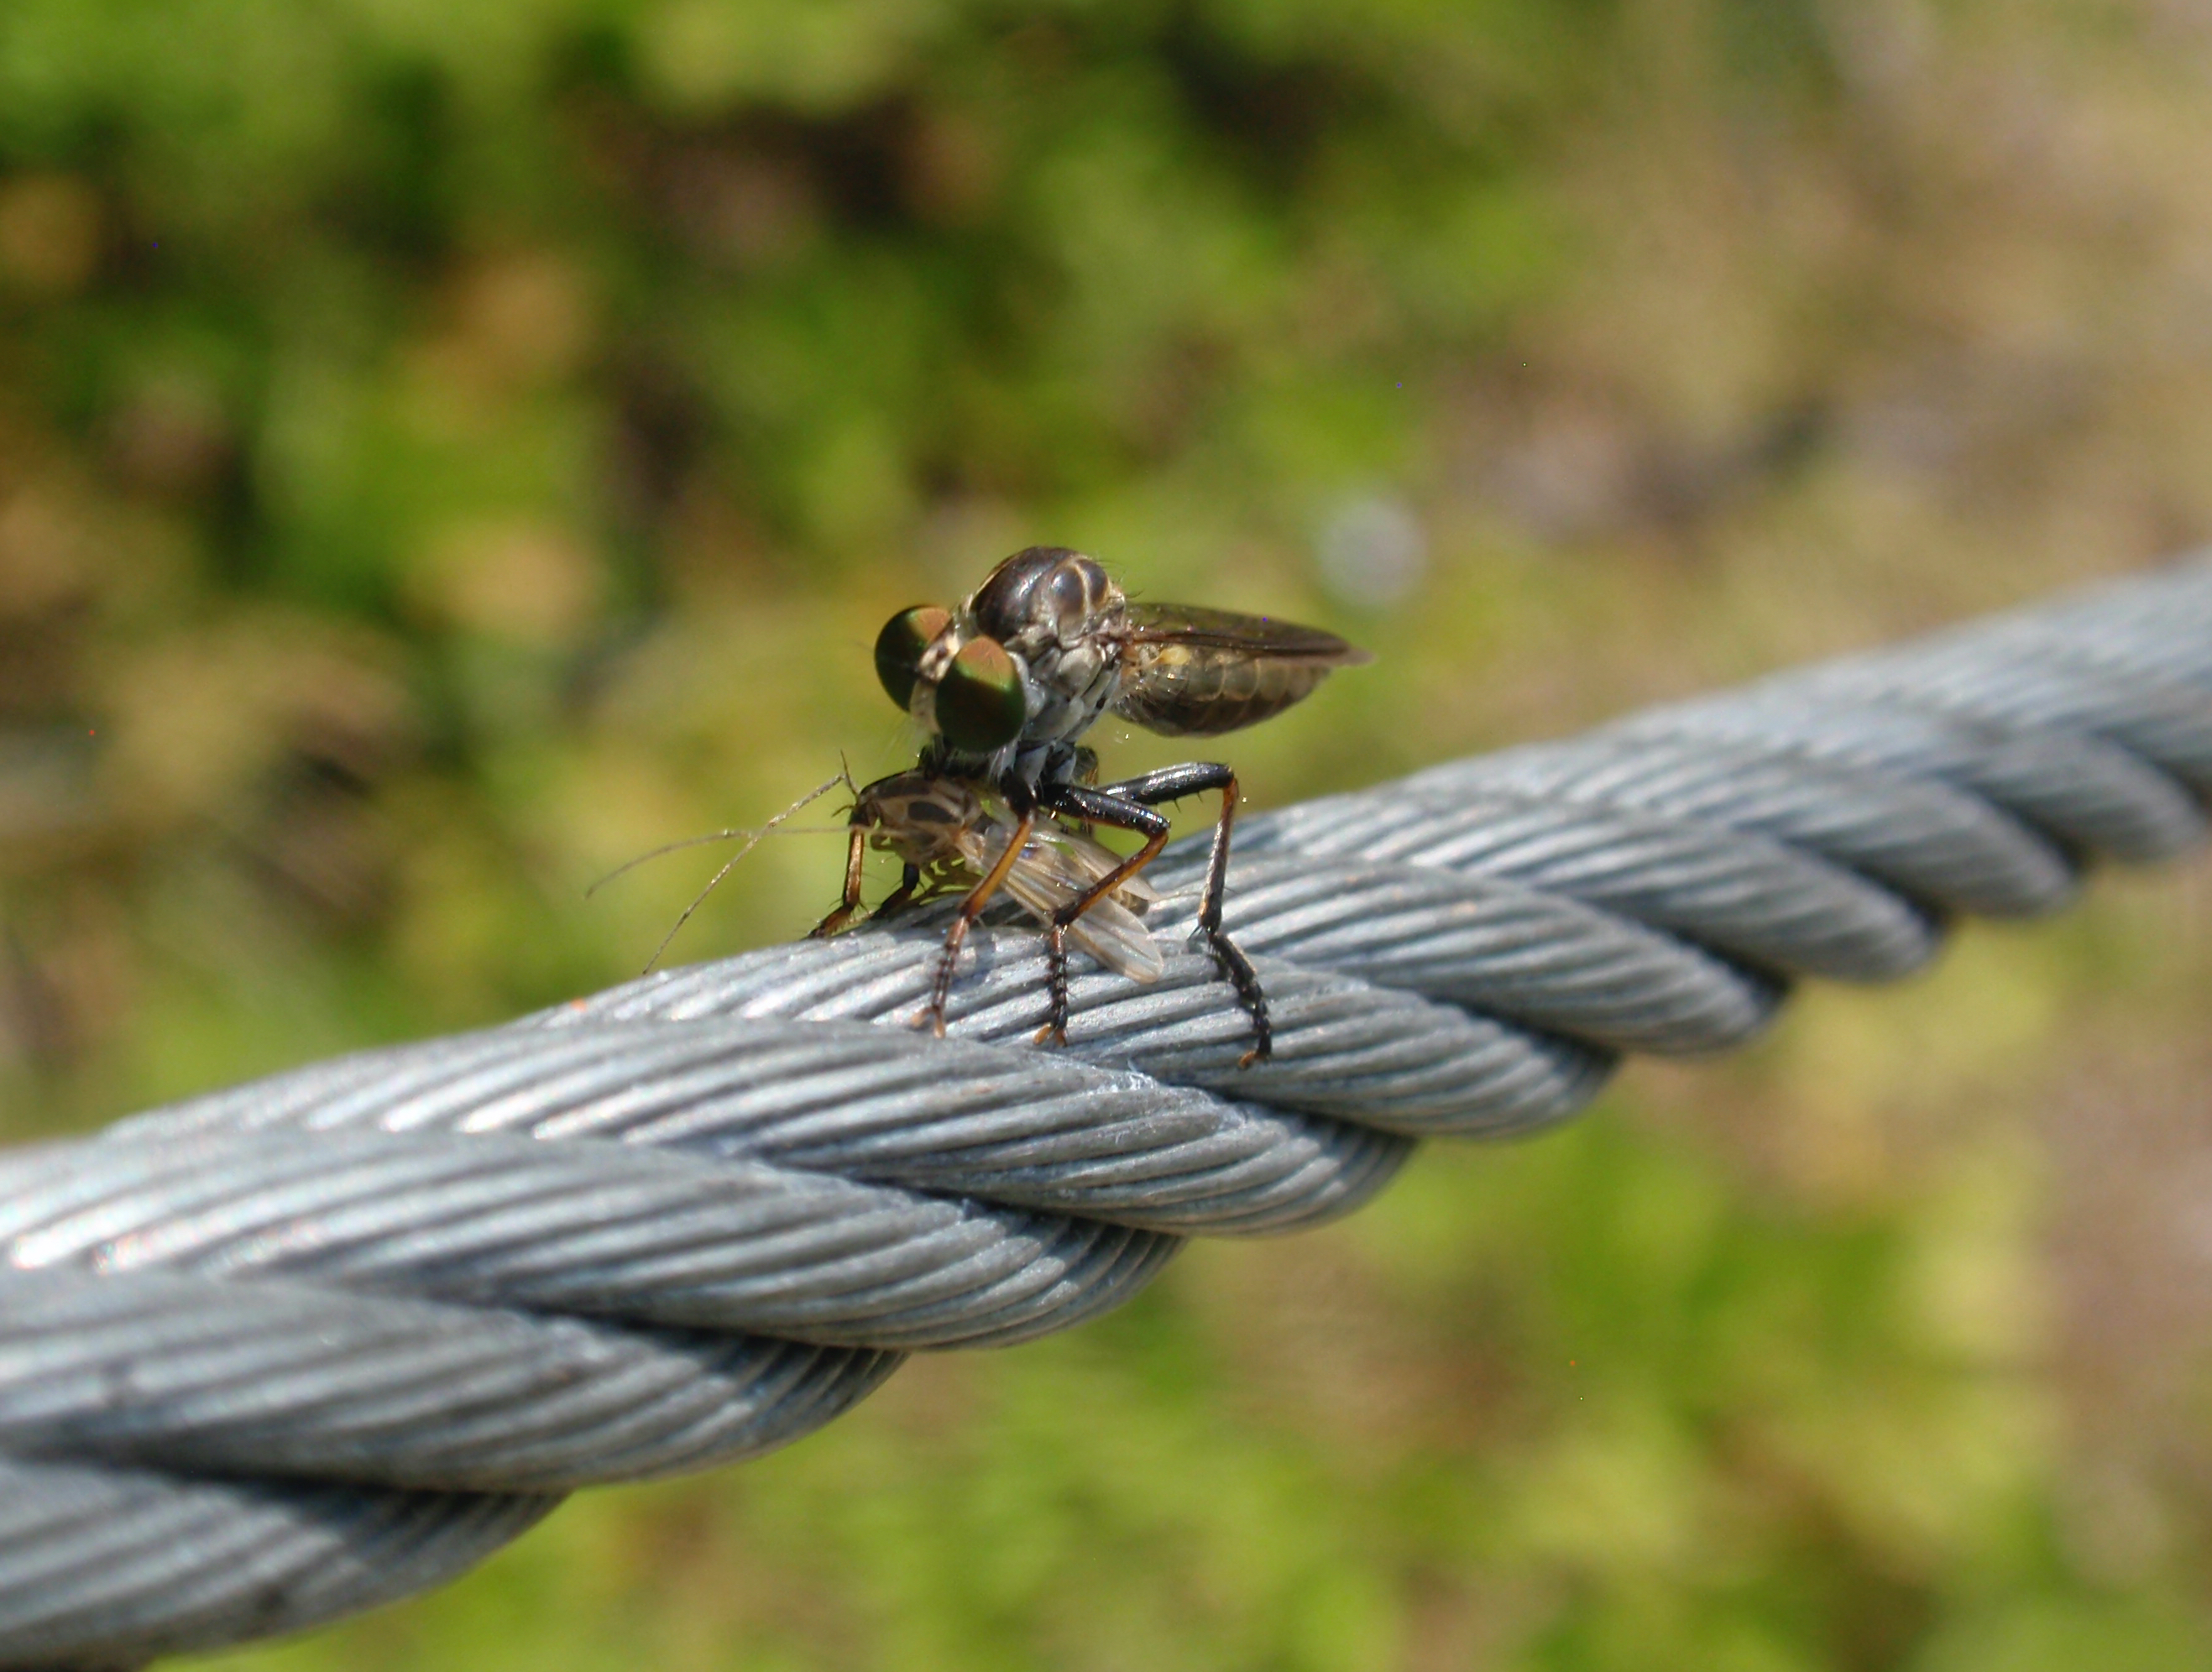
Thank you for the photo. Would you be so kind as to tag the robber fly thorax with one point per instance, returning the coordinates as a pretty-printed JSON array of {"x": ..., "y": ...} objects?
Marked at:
[{"x": 1005, "y": 686}]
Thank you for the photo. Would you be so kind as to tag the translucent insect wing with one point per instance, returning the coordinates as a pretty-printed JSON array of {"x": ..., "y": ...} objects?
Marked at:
[
  {"x": 1049, "y": 875},
  {"x": 1093, "y": 860}
]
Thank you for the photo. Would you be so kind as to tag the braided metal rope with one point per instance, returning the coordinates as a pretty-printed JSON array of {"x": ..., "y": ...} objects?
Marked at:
[{"x": 284, "y": 1351}]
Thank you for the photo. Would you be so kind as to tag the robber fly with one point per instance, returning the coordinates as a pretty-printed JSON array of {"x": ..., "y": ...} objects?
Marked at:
[
  {"x": 1005, "y": 685},
  {"x": 949, "y": 838}
]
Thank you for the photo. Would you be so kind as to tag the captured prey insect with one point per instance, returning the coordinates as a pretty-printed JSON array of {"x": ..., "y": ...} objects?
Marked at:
[
  {"x": 950, "y": 839},
  {"x": 1005, "y": 685}
]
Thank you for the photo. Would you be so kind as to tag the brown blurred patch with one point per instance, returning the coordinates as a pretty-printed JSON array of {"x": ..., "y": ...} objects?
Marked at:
[
  {"x": 69, "y": 974},
  {"x": 740, "y": 208},
  {"x": 199, "y": 719},
  {"x": 46, "y": 556},
  {"x": 2130, "y": 1135},
  {"x": 517, "y": 579},
  {"x": 1321, "y": 1344},
  {"x": 954, "y": 166},
  {"x": 172, "y": 437},
  {"x": 529, "y": 313},
  {"x": 51, "y": 229},
  {"x": 1579, "y": 464}
]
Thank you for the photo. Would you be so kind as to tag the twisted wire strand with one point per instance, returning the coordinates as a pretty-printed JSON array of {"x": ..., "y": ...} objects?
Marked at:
[{"x": 286, "y": 1351}]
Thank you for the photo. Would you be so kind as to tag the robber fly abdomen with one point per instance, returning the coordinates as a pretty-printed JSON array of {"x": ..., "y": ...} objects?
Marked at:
[
  {"x": 949, "y": 838},
  {"x": 1197, "y": 685},
  {"x": 1005, "y": 685}
]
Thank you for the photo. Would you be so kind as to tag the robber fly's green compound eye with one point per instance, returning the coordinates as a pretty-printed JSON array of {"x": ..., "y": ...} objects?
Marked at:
[
  {"x": 981, "y": 705},
  {"x": 900, "y": 645}
]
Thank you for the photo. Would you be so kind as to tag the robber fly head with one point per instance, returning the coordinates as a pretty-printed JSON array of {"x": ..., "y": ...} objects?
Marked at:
[
  {"x": 965, "y": 687},
  {"x": 1031, "y": 636}
]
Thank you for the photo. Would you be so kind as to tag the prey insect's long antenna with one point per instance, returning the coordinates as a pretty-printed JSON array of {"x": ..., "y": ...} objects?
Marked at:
[
  {"x": 630, "y": 865},
  {"x": 731, "y": 834},
  {"x": 751, "y": 842}
]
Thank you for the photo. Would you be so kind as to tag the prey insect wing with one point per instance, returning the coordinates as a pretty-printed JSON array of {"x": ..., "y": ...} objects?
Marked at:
[
  {"x": 949, "y": 836},
  {"x": 1051, "y": 875}
]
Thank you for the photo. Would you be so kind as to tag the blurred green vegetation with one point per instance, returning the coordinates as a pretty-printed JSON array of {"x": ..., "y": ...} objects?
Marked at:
[{"x": 445, "y": 449}]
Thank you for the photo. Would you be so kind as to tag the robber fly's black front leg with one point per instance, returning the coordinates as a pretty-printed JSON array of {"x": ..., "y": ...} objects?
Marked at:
[
  {"x": 1129, "y": 806},
  {"x": 1080, "y": 804}
]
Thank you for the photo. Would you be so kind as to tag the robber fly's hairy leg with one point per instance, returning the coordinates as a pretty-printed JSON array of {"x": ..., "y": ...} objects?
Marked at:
[
  {"x": 1128, "y": 805},
  {"x": 1170, "y": 784},
  {"x": 1083, "y": 771},
  {"x": 970, "y": 909},
  {"x": 1087, "y": 772},
  {"x": 1079, "y": 803}
]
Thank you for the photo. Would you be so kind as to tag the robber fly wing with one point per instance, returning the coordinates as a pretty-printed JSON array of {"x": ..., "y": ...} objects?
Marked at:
[{"x": 1187, "y": 672}]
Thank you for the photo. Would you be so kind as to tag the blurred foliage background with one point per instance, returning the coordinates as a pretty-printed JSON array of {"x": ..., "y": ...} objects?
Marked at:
[{"x": 445, "y": 449}]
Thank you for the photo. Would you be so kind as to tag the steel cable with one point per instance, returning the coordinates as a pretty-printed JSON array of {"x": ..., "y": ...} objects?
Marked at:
[{"x": 289, "y": 1350}]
